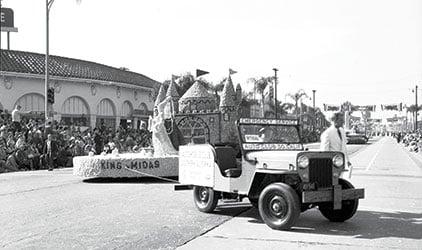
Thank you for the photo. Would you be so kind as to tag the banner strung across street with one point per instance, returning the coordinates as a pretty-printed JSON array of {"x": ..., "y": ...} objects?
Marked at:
[
  {"x": 370, "y": 108},
  {"x": 395, "y": 106},
  {"x": 328, "y": 107}
]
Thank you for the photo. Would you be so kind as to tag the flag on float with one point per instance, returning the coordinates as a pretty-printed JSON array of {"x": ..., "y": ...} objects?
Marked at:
[
  {"x": 174, "y": 78},
  {"x": 232, "y": 72},
  {"x": 201, "y": 72}
]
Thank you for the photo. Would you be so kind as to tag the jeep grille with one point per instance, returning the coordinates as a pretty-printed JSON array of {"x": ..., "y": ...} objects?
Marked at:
[{"x": 320, "y": 172}]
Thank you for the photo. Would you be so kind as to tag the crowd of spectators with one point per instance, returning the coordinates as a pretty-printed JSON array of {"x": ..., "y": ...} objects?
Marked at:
[
  {"x": 412, "y": 141},
  {"x": 23, "y": 144}
]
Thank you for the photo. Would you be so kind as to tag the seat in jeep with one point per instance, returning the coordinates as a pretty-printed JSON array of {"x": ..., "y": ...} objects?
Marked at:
[{"x": 226, "y": 161}]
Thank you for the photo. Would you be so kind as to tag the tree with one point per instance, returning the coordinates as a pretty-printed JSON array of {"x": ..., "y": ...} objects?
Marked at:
[
  {"x": 259, "y": 86},
  {"x": 296, "y": 97}
]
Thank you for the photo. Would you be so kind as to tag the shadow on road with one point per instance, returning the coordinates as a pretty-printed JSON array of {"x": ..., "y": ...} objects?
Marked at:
[
  {"x": 365, "y": 224},
  {"x": 143, "y": 180}
]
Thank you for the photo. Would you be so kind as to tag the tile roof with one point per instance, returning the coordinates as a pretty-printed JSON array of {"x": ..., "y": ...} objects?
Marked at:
[{"x": 33, "y": 63}]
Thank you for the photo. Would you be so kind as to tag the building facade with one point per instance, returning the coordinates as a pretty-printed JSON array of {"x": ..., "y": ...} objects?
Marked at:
[{"x": 85, "y": 93}]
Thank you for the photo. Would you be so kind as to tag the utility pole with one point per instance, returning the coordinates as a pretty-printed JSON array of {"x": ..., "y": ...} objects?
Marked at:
[
  {"x": 48, "y": 5},
  {"x": 275, "y": 91},
  {"x": 417, "y": 108}
]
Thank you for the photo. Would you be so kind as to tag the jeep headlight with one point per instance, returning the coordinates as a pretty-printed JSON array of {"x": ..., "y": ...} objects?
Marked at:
[
  {"x": 303, "y": 161},
  {"x": 338, "y": 161}
]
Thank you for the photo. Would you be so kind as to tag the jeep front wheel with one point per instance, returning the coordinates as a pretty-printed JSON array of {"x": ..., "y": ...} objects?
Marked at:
[
  {"x": 348, "y": 207},
  {"x": 205, "y": 198},
  {"x": 279, "y": 206}
]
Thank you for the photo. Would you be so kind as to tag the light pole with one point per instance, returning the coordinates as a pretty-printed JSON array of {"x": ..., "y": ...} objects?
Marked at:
[
  {"x": 275, "y": 91},
  {"x": 417, "y": 108},
  {"x": 48, "y": 4}
]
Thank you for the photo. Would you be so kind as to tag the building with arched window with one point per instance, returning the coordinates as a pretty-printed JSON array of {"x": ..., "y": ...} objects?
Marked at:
[{"x": 86, "y": 93}]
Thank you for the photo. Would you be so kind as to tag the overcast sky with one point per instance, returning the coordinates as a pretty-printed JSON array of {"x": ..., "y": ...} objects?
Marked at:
[{"x": 363, "y": 51}]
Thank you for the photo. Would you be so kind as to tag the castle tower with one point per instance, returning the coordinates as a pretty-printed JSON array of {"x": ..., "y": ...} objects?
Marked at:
[
  {"x": 161, "y": 95},
  {"x": 197, "y": 99},
  {"x": 172, "y": 92},
  {"x": 238, "y": 94},
  {"x": 228, "y": 108}
]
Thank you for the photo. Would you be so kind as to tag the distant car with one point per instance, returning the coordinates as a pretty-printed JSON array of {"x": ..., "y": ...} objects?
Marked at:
[{"x": 356, "y": 138}]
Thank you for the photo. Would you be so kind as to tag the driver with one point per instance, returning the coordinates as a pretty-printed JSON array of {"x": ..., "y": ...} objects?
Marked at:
[{"x": 266, "y": 134}]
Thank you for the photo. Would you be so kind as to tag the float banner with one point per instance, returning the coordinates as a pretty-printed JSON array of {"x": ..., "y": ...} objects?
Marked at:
[
  {"x": 121, "y": 166},
  {"x": 272, "y": 146},
  {"x": 329, "y": 107},
  {"x": 264, "y": 121},
  {"x": 396, "y": 106}
]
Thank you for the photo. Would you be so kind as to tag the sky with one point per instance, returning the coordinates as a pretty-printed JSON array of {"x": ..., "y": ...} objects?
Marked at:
[{"x": 368, "y": 52}]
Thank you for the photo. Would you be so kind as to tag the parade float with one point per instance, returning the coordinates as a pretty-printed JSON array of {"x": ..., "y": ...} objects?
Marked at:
[{"x": 194, "y": 118}]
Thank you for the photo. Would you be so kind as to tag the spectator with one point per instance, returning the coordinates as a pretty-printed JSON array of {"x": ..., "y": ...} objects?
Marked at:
[{"x": 50, "y": 152}]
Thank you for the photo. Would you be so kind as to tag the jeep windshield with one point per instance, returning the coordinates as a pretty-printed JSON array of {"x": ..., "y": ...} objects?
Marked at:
[{"x": 269, "y": 134}]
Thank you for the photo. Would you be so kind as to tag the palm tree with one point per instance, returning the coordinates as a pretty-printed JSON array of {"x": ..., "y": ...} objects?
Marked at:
[
  {"x": 259, "y": 86},
  {"x": 296, "y": 97}
]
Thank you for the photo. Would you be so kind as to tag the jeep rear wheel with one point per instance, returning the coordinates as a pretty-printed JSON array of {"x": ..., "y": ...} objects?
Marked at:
[
  {"x": 348, "y": 207},
  {"x": 279, "y": 206},
  {"x": 205, "y": 198}
]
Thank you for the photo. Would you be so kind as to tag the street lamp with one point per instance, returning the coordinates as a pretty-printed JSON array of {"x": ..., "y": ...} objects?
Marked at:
[
  {"x": 416, "y": 107},
  {"x": 275, "y": 91},
  {"x": 48, "y": 4}
]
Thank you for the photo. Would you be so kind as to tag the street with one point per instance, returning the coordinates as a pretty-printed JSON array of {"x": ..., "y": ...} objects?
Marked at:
[
  {"x": 390, "y": 216},
  {"x": 57, "y": 210}
]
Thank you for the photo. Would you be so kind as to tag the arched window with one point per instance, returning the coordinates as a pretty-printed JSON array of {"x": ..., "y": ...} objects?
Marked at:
[
  {"x": 33, "y": 102},
  {"x": 126, "y": 117},
  {"x": 127, "y": 109},
  {"x": 106, "y": 114},
  {"x": 194, "y": 129},
  {"x": 75, "y": 111}
]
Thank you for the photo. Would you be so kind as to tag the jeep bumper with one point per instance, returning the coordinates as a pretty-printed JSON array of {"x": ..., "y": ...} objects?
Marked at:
[{"x": 335, "y": 195}]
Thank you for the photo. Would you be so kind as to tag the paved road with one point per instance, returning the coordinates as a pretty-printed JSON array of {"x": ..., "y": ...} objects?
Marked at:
[
  {"x": 390, "y": 217},
  {"x": 55, "y": 210}
]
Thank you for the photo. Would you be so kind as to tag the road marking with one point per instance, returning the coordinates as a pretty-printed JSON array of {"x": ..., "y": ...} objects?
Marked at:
[{"x": 374, "y": 157}]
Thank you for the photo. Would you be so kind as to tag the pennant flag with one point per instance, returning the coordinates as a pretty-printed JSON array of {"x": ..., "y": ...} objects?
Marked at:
[
  {"x": 174, "y": 78},
  {"x": 201, "y": 72},
  {"x": 232, "y": 72}
]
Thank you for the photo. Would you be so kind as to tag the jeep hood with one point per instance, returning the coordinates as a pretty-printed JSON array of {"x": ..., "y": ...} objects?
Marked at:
[{"x": 280, "y": 160}]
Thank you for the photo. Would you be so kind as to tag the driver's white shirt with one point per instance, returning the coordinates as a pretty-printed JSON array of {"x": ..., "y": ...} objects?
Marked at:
[{"x": 330, "y": 141}]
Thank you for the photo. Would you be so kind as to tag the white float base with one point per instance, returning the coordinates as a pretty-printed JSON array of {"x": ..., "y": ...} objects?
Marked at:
[{"x": 125, "y": 165}]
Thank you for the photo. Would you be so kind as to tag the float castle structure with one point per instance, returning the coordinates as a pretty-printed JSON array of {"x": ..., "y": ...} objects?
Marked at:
[{"x": 203, "y": 117}]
